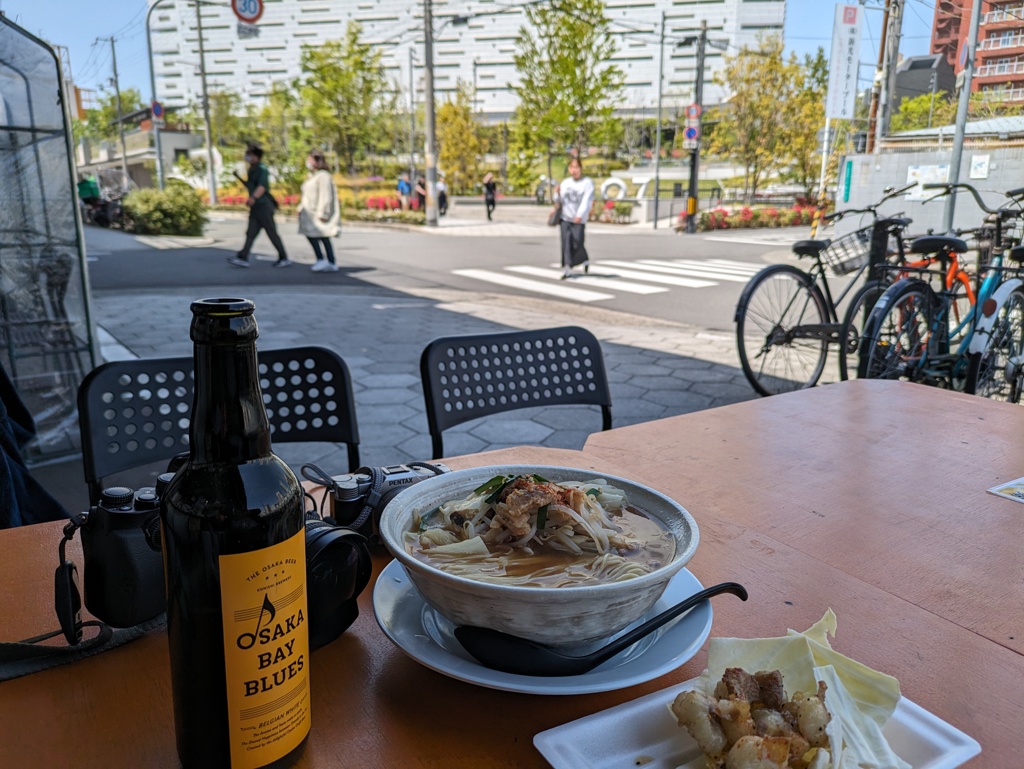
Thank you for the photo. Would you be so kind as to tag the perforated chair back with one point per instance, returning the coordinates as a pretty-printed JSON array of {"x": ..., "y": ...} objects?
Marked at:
[
  {"x": 133, "y": 413},
  {"x": 467, "y": 377}
]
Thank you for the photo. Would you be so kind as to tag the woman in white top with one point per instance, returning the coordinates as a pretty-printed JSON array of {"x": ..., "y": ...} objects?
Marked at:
[
  {"x": 576, "y": 194},
  {"x": 319, "y": 214}
]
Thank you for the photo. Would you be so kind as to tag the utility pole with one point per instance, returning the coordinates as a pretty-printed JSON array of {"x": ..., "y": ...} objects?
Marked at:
[
  {"x": 961, "y": 114},
  {"x": 892, "y": 63},
  {"x": 152, "y": 90},
  {"x": 412, "y": 119},
  {"x": 211, "y": 173},
  {"x": 120, "y": 122},
  {"x": 698, "y": 99},
  {"x": 428, "y": 128},
  {"x": 475, "y": 63},
  {"x": 657, "y": 133},
  {"x": 876, "y": 83},
  {"x": 931, "y": 106}
]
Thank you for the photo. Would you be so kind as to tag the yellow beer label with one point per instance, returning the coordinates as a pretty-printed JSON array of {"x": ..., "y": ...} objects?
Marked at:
[{"x": 266, "y": 651}]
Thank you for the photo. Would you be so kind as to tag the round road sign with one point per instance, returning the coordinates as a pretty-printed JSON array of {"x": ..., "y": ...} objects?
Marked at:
[
  {"x": 693, "y": 111},
  {"x": 691, "y": 133},
  {"x": 157, "y": 109},
  {"x": 248, "y": 11}
]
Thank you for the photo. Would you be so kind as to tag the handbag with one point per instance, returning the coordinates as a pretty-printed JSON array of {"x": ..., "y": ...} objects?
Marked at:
[{"x": 555, "y": 216}]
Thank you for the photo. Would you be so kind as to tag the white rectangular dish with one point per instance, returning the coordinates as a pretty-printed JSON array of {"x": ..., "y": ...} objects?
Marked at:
[{"x": 644, "y": 733}]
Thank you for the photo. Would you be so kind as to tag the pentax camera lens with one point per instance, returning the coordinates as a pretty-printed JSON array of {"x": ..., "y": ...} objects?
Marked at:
[{"x": 338, "y": 568}]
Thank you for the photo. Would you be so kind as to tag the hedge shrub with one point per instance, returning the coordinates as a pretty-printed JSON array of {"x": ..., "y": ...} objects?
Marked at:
[
  {"x": 746, "y": 217},
  {"x": 177, "y": 210}
]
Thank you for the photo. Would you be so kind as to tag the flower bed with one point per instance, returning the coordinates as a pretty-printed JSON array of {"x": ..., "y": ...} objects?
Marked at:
[{"x": 747, "y": 217}]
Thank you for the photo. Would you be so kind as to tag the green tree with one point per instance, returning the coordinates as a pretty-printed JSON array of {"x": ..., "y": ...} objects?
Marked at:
[
  {"x": 458, "y": 138},
  {"x": 567, "y": 88},
  {"x": 226, "y": 118},
  {"x": 752, "y": 128},
  {"x": 345, "y": 95},
  {"x": 524, "y": 155},
  {"x": 277, "y": 126},
  {"x": 101, "y": 123},
  {"x": 805, "y": 110},
  {"x": 922, "y": 112}
]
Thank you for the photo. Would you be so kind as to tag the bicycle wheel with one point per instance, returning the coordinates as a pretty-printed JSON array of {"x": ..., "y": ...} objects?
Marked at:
[
  {"x": 775, "y": 305},
  {"x": 987, "y": 372},
  {"x": 854, "y": 321},
  {"x": 895, "y": 340}
]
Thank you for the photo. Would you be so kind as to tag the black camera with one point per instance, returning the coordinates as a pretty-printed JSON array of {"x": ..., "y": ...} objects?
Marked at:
[
  {"x": 124, "y": 569},
  {"x": 358, "y": 499}
]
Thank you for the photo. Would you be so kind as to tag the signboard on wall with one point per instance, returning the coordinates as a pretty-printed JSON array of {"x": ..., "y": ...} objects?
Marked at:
[
  {"x": 925, "y": 175},
  {"x": 843, "y": 64}
]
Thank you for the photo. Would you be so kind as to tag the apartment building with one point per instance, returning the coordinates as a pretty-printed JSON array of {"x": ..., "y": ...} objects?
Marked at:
[
  {"x": 474, "y": 43},
  {"x": 999, "y": 69}
]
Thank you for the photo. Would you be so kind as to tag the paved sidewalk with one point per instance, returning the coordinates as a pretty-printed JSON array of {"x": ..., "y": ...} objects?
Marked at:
[{"x": 656, "y": 368}]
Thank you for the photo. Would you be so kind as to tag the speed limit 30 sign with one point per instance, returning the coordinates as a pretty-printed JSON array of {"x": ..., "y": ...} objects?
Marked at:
[{"x": 248, "y": 11}]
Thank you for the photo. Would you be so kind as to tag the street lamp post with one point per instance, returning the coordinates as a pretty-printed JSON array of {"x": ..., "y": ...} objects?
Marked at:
[
  {"x": 152, "y": 90},
  {"x": 412, "y": 118},
  {"x": 657, "y": 133},
  {"x": 698, "y": 99},
  {"x": 211, "y": 173},
  {"x": 429, "y": 125}
]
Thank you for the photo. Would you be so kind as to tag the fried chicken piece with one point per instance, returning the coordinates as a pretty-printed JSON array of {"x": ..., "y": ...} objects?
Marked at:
[
  {"x": 754, "y": 752},
  {"x": 696, "y": 712},
  {"x": 811, "y": 715},
  {"x": 771, "y": 695},
  {"x": 738, "y": 684},
  {"x": 772, "y": 723},
  {"x": 735, "y": 718}
]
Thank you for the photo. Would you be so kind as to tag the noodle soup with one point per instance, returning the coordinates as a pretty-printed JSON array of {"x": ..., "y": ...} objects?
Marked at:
[{"x": 527, "y": 531}]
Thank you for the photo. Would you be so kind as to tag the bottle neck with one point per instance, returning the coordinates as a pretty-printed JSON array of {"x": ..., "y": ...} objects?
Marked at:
[{"x": 229, "y": 422}]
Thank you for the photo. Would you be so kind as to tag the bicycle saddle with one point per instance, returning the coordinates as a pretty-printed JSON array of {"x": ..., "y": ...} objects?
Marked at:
[
  {"x": 933, "y": 244},
  {"x": 810, "y": 247},
  {"x": 1016, "y": 254}
]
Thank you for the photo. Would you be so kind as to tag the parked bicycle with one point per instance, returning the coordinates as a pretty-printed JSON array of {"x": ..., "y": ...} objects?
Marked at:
[
  {"x": 787, "y": 318},
  {"x": 962, "y": 336}
]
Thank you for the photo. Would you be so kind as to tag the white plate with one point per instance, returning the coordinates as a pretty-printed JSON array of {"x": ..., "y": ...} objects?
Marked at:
[
  {"x": 644, "y": 733},
  {"x": 428, "y": 638}
]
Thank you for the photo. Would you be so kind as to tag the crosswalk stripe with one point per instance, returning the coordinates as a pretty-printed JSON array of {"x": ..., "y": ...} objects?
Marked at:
[
  {"x": 584, "y": 280},
  {"x": 735, "y": 268},
  {"x": 560, "y": 289},
  {"x": 653, "y": 274},
  {"x": 676, "y": 269}
]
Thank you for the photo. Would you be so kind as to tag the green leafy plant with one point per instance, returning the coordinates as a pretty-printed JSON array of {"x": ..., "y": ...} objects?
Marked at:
[{"x": 177, "y": 210}]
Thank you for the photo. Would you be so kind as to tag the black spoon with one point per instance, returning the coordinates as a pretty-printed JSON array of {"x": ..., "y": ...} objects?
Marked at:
[{"x": 511, "y": 654}]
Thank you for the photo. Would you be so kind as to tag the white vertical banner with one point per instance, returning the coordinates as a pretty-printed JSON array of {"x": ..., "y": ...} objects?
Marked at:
[{"x": 844, "y": 62}]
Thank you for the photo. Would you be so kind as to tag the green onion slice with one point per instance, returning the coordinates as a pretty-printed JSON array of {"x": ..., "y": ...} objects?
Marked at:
[{"x": 542, "y": 517}]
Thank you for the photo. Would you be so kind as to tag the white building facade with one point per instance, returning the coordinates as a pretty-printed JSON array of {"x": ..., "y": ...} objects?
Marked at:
[{"x": 478, "y": 51}]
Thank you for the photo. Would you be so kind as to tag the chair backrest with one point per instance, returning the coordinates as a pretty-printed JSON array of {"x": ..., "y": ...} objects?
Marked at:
[
  {"x": 136, "y": 412},
  {"x": 466, "y": 377}
]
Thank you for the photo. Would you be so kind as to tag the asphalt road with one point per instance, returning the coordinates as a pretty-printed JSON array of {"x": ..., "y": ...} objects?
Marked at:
[{"x": 693, "y": 279}]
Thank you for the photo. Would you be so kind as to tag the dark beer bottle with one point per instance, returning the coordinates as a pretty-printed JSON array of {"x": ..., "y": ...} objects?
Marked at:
[{"x": 234, "y": 557}]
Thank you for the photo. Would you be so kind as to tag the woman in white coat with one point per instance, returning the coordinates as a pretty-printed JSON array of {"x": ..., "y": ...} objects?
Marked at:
[{"x": 319, "y": 214}]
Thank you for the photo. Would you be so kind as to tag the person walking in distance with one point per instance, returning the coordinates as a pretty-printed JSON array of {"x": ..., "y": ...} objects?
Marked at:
[
  {"x": 490, "y": 193},
  {"x": 442, "y": 196},
  {"x": 319, "y": 215},
  {"x": 404, "y": 190},
  {"x": 421, "y": 194},
  {"x": 261, "y": 210},
  {"x": 576, "y": 195}
]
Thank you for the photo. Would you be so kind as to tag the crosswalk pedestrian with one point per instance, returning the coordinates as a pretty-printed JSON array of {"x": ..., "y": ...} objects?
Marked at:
[{"x": 607, "y": 278}]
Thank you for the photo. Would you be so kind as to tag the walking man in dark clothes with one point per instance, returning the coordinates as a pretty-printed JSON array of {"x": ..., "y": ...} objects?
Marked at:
[{"x": 261, "y": 210}]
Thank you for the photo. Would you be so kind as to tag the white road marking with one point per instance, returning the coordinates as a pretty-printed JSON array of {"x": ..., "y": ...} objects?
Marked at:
[
  {"x": 678, "y": 269},
  {"x": 560, "y": 290},
  {"x": 586, "y": 280},
  {"x": 652, "y": 274}
]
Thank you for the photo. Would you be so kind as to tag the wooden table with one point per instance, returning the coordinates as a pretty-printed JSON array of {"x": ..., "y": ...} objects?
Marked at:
[{"x": 866, "y": 497}]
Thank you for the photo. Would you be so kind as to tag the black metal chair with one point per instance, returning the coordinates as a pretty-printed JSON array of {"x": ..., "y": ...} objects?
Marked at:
[
  {"x": 466, "y": 377},
  {"x": 133, "y": 413}
]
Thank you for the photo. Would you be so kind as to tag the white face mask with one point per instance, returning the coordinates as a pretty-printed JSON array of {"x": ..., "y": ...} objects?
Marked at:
[
  {"x": 310, "y": 164},
  {"x": 249, "y": 159}
]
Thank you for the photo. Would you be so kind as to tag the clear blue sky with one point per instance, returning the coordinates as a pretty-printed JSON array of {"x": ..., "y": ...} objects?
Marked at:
[{"x": 77, "y": 24}]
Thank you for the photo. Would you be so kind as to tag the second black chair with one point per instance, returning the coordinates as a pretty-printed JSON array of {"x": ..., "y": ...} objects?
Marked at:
[
  {"x": 467, "y": 377},
  {"x": 133, "y": 413}
]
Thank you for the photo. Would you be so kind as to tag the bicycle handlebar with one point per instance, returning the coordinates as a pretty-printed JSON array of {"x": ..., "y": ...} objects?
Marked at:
[
  {"x": 948, "y": 188},
  {"x": 871, "y": 209}
]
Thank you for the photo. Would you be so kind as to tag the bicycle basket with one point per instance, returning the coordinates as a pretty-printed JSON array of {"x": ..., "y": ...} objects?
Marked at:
[{"x": 848, "y": 252}]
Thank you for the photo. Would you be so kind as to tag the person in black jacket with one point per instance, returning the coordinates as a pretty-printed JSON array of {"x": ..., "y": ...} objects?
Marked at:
[{"x": 261, "y": 210}]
